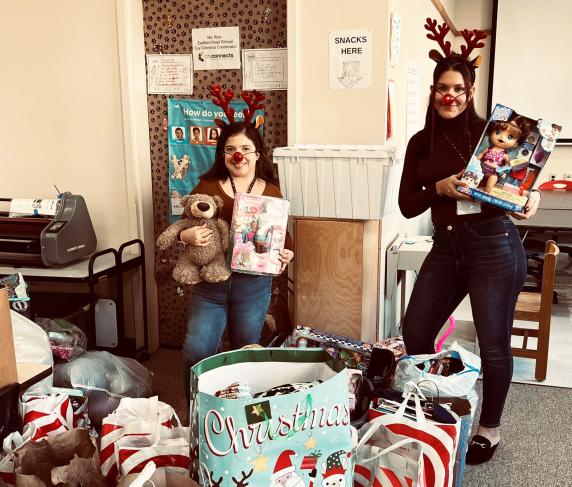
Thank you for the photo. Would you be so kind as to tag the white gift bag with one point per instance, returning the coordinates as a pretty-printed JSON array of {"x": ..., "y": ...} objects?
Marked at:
[
  {"x": 139, "y": 431},
  {"x": 46, "y": 415},
  {"x": 32, "y": 345},
  {"x": 11, "y": 443},
  {"x": 438, "y": 442},
  {"x": 396, "y": 465},
  {"x": 460, "y": 384}
]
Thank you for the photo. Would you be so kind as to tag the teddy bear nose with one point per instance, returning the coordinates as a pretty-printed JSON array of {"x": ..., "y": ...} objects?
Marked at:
[{"x": 203, "y": 206}]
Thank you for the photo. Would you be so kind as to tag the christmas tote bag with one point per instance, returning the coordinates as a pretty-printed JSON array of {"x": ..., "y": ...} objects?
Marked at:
[{"x": 271, "y": 417}]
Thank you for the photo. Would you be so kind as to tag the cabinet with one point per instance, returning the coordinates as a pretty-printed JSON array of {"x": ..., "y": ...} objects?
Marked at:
[{"x": 337, "y": 276}]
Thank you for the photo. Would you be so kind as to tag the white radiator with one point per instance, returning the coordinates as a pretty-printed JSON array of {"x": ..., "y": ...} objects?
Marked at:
[{"x": 356, "y": 182}]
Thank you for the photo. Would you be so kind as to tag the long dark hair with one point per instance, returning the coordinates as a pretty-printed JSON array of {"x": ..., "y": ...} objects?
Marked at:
[
  {"x": 264, "y": 167},
  {"x": 451, "y": 63},
  {"x": 519, "y": 127}
]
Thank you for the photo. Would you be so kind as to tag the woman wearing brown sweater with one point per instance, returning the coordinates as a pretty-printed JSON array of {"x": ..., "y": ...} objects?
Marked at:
[{"x": 241, "y": 165}]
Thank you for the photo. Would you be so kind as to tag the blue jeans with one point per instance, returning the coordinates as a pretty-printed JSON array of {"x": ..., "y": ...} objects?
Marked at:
[
  {"x": 241, "y": 301},
  {"x": 486, "y": 261}
]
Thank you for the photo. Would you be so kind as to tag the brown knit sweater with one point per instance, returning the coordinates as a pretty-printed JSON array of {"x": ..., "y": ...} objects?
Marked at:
[{"x": 213, "y": 187}]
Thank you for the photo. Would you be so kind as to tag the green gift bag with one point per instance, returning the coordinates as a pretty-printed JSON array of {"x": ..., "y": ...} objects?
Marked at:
[{"x": 300, "y": 438}]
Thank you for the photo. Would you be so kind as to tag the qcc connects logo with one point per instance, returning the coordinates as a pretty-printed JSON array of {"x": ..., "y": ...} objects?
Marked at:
[{"x": 203, "y": 57}]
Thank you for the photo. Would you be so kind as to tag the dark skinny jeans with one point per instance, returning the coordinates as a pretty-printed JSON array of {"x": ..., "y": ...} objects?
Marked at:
[{"x": 485, "y": 260}]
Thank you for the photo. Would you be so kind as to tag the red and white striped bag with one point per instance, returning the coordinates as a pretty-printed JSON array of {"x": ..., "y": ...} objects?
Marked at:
[
  {"x": 438, "y": 441},
  {"x": 140, "y": 431},
  {"x": 9, "y": 447},
  {"x": 46, "y": 415},
  {"x": 399, "y": 465}
]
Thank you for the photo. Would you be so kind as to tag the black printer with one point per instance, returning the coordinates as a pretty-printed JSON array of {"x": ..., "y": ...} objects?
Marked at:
[{"x": 35, "y": 233}]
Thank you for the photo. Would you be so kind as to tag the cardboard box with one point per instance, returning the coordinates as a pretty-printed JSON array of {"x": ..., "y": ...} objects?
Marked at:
[
  {"x": 8, "y": 370},
  {"x": 512, "y": 151},
  {"x": 257, "y": 233}
]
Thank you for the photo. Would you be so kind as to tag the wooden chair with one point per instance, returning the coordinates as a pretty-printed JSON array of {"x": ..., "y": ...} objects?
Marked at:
[{"x": 537, "y": 307}]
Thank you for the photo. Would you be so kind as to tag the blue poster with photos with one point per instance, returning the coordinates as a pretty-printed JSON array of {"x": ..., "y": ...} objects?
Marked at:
[{"x": 192, "y": 136}]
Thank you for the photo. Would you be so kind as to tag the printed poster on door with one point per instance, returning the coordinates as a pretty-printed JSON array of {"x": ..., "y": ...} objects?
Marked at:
[
  {"x": 216, "y": 48},
  {"x": 192, "y": 136}
]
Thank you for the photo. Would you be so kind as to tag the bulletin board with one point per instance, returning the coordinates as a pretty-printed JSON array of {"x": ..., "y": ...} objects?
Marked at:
[{"x": 168, "y": 26}]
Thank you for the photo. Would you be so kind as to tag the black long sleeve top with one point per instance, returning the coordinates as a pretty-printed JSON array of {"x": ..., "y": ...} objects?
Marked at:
[{"x": 421, "y": 171}]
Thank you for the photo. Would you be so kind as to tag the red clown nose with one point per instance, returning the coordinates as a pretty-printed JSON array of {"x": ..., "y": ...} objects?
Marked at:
[
  {"x": 237, "y": 157},
  {"x": 448, "y": 99}
]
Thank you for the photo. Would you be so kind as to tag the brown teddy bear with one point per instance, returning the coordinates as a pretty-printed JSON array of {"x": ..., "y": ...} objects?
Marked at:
[{"x": 199, "y": 263}]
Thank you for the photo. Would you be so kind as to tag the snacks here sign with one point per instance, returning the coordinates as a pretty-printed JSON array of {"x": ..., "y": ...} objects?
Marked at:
[{"x": 350, "y": 59}]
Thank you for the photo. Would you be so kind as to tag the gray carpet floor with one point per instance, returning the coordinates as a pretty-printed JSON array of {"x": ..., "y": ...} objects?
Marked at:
[{"x": 536, "y": 449}]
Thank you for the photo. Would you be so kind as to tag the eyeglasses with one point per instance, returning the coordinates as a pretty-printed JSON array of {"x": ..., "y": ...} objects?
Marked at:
[{"x": 232, "y": 152}]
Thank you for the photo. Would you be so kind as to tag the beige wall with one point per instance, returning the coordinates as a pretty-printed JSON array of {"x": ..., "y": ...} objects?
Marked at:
[
  {"x": 316, "y": 114},
  {"x": 75, "y": 116},
  {"x": 62, "y": 116}
]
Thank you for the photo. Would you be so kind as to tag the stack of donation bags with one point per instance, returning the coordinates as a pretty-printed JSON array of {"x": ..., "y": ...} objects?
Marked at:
[{"x": 321, "y": 409}]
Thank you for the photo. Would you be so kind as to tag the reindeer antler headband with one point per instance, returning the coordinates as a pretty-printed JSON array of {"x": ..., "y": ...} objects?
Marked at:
[
  {"x": 473, "y": 39},
  {"x": 253, "y": 100}
]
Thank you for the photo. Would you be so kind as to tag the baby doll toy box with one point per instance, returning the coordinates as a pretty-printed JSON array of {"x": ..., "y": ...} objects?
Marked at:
[
  {"x": 508, "y": 158},
  {"x": 257, "y": 233}
]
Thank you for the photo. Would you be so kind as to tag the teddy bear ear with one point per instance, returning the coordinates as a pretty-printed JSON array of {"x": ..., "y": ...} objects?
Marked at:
[{"x": 218, "y": 201}]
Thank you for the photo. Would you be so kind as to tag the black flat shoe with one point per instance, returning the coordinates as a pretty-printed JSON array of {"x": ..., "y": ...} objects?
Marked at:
[{"x": 480, "y": 450}]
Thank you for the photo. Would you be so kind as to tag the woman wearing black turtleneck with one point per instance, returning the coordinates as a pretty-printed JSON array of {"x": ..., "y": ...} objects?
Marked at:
[{"x": 479, "y": 254}]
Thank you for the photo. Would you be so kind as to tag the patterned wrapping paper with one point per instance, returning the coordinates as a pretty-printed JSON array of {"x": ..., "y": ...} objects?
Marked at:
[
  {"x": 354, "y": 353},
  {"x": 257, "y": 233},
  {"x": 17, "y": 294}
]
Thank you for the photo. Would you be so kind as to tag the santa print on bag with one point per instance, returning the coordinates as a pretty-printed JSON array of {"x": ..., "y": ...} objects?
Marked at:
[
  {"x": 333, "y": 471},
  {"x": 215, "y": 425},
  {"x": 285, "y": 474}
]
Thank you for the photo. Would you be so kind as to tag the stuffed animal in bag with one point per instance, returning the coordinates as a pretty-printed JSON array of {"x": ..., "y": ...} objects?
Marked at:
[{"x": 197, "y": 263}]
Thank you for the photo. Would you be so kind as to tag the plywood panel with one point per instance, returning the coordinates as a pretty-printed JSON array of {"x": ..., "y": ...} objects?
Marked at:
[
  {"x": 371, "y": 280},
  {"x": 329, "y": 275}
]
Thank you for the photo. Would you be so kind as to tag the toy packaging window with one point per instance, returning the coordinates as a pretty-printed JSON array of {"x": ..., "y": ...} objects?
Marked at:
[
  {"x": 257, "y": 233},
  {"x": 508, "y": 158}
]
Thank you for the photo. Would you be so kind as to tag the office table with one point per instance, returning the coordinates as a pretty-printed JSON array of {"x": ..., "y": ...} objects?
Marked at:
[
  {"x": 405, "y": 254},
  {"x": 553, "y": 218},
  {"x": 108, "y": 264},
  {"x": 554, "y": 212}
]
